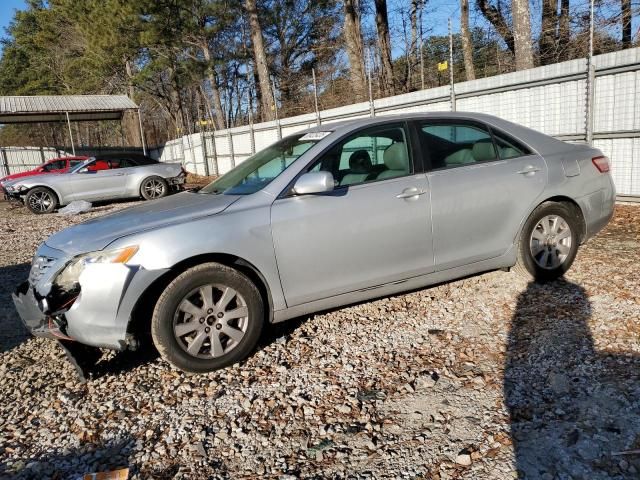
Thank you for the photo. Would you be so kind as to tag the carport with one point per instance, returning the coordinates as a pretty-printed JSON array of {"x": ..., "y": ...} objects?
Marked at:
[{"x": 67, "y": 108}]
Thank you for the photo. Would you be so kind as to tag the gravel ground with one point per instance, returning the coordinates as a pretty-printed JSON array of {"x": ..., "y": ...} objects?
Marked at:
[{"x": 486, "y": 377}]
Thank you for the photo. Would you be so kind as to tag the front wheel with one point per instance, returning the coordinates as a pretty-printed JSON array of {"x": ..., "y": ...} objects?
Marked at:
[
  {"x": 548, "y": 242},
  {"x": 154, "y": 187},
  {"x": 209, "y": 317},
  {"x": 41, "y": 200}
]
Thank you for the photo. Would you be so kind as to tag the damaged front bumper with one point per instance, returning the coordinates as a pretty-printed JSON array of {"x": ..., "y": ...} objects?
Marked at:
[{"x": 96, "y": 313}]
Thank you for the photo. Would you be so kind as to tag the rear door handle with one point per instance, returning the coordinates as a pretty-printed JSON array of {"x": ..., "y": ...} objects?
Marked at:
[
  {"x": 410, "y": 193},
  {"x": 529, "y": 169}
]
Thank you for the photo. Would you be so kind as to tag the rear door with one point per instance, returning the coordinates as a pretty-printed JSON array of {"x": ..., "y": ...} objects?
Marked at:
[
  {"x": 483, "y": 183},
  {"x": 372, "y": 229}
]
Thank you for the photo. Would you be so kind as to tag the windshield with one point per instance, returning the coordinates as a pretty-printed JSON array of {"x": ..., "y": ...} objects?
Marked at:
[
  {"x": 81, "y": 165},
  {"x": 259, "y": 170}
]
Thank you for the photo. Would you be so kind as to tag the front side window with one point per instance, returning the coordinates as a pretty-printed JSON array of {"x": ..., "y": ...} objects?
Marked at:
[
  {"x": 376, "y": 153},
  {"x": 259, "y": 170},
  {"x": 451, "y": 145}
]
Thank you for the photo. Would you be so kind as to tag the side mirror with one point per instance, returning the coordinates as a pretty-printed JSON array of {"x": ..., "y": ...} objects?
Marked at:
[
  {"x": 83, "y": 170},
  {"x": 314, "y": 182},
  {"x": 41, "y": 169}
]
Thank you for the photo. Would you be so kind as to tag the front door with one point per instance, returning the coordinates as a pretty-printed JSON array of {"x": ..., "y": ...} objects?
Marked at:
[
  {"x": 483, "y": 185},
  {"x": 372, "y": 229},
  {"x": 98, "y": 181}
]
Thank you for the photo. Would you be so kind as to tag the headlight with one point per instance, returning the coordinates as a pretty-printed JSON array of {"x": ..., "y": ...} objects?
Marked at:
[
  {"x": 69, "y": 276},
  {"x": 16, "y": 188}
]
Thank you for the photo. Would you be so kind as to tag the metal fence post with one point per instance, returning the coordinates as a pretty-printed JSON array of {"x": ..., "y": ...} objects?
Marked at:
[
  {"x": 233, "y": 157},
  {"x": 42, "y": 155},
  {"x": 216, "y": 170},
  {"x": 590, "y": 79},
  {"x": 453, "y": 92},
  {"x": 203, "y": 140},
  {"x": 372, "y": 107},
  {"x": 5, "y": 161}
]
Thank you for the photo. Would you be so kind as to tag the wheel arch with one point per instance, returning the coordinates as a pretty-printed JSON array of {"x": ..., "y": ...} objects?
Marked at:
[
  {"x": 557, "y": 199},
  {"x": 140, "y": 320},
  {"x": 48, "y": 187}
]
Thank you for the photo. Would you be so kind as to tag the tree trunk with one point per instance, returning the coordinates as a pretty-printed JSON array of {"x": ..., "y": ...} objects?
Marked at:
[
  {"x": 213, "y": 83},
  {"x": 384, "y": 44},
  {"x": 522, "y": 34},
  {"x": 130, "y": 120},
  {"x": 355, "y": 50},
  {"x": 494, "y": 17},
  {"x": 626, "y": 23},
  {"x": 548, "y": 36},
  {"x": 260, "y": 57},
  {"x": 564, "y": 30},
  {"x": 467, "y": 43}
]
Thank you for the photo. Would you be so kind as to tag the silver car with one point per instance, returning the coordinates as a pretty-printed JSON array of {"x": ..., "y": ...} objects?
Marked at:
[
  {"x": 338, "y": 214},
  {"x": 107, "y": 177}
]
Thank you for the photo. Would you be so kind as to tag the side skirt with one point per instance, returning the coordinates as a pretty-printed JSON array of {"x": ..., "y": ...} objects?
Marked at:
[{"x": 504, "y": 261}]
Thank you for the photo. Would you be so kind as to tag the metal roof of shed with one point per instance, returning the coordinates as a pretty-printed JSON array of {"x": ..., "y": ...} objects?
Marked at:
[{"x": 54, "y": 108}]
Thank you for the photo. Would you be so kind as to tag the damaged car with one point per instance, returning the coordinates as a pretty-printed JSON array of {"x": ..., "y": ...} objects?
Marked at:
[
  {"x": 106, "y": 177},
  {"x": 338, "y": 214}
]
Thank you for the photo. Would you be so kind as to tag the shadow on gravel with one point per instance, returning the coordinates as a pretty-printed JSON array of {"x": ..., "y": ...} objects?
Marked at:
[
  {"x": 71, "y": 463},
  {"x": 574, "y": 412},
  {"x": 12, "y": 332}
]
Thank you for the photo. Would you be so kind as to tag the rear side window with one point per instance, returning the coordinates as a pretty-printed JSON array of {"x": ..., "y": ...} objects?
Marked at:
[
  {"x": 509, "y": 148},
  {"x": 453, "y": 145}
]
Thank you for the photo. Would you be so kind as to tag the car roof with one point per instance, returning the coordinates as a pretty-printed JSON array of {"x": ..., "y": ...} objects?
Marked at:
[{"x": 537, "y": 141}]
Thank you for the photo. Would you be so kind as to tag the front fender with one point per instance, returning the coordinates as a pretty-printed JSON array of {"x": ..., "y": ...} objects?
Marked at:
[{"x": 243, "y": 233}]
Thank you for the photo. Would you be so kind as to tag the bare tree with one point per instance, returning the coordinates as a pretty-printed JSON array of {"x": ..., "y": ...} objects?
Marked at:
[
  {"x": 548, "y": 44},
  {"x": 467, "y": 43},
  {"x": 564, "y": 29},
  {"x": 384, "y": 43},
  {"x": 355, "y": 50},
  {"x": 626, "y": 23},
  {"x": 522, "y": 34},
  {"x": 495, "y": 17},
  {"x": 260, "y": 58}
]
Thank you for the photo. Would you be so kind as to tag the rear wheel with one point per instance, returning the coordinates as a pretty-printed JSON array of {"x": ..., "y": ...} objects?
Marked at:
[
  {"x": 154, "y": 187},
  {"x": 548, "y": 242},
  {"x": 207, "y": 318},
  {"x": 41, "y": 200}
]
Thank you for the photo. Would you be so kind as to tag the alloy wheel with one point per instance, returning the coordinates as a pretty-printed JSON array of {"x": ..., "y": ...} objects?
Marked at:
[
  {"x": 550, "y": 242},
  {"x": 40, "y": 201},
  {"x": 210, "y": 321},
  {"x": 154, "y": 188}
]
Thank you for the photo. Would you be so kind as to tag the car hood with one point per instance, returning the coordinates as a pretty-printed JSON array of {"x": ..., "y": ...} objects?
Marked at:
[
  {"x": 33, "y": 178},
  {"x": 97, "y": 233},
  {"x": 16, "y": 176}
]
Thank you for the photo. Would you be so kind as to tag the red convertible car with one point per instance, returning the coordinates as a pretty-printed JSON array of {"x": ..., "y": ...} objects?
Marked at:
[{"x": 55, "y": 165}]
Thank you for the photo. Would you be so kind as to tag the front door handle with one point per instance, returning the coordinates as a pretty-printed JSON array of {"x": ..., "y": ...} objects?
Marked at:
[
  {"x": 410, "y": 193},
  {"x": 529, "y": 169}
]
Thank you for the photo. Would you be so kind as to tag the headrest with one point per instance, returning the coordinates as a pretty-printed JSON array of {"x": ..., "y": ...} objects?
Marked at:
[
  {"x": 360, "y": 162},
  {"x": 395, "y": 157},
  {"x": 483, "y": 151}
]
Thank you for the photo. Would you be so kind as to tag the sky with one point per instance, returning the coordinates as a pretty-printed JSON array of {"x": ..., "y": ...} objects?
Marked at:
[
  {"x": 434, "y": 19},
  {"x": 7, "y": 10}
]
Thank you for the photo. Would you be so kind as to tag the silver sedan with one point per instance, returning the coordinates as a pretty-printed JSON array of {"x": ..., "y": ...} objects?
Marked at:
[
  {"x": 335, "y": 215},
  {"x": 106, "y": 177}
]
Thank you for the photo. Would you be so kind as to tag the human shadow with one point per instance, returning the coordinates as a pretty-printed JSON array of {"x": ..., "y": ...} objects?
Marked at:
[
  {"x": 574, "y": 411},
  {"x": 12, "y": 331},
  {"x": 59, "y": 463}
]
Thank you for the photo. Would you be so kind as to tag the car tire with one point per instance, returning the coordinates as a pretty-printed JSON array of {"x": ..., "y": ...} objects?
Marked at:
[
  {"x": 41, "y": 200},
  {"x": 208, "y": 317},
  {"x": 548, "y": 242},
  {"x": 152, "y": 188}
]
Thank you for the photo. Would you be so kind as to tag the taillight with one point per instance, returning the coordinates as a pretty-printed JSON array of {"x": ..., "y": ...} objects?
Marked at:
[{"x": 601, "y": 163}]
